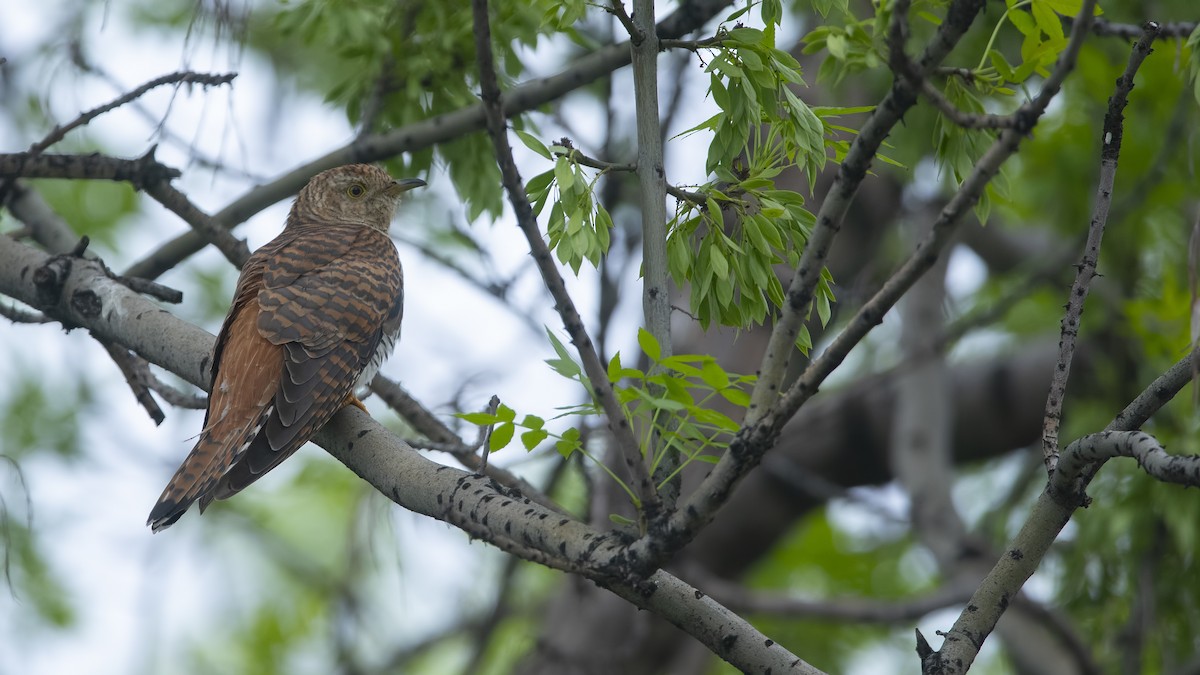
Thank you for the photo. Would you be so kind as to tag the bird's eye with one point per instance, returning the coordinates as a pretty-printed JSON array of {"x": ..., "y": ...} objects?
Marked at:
[{"x": 356, "y": 190}]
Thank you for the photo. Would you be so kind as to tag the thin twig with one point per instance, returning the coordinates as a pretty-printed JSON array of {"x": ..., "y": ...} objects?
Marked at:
[
  {"x": 151, "y": 288},
  {"x": 16, "y": 314},
  {"x": 59, "y": 132},
  {"x": 961, "y": 117},
  {"x": 485, "y": 433},
  {"x": 1114, "y": 130},
  {"x": 617, "y": 9},
  {"x": 234, "y": 249},
  {"x": 1169, "y": 30},
  {"x": 181, "y": 77},
  {"x": 159, "y": 123},
  {"x": 170, "y": 394},
  {"x": 676, "y": 192},
  {"x": 427, "y": 423},
  {"x": 626, "y": 444},
  {"x": 125, "y": 362}
]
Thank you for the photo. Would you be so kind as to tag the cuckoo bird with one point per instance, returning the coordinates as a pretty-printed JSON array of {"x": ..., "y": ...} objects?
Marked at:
[{"x": 315, "y": 313}]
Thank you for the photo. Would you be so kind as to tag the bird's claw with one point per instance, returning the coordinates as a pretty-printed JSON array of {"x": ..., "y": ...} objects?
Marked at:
[{"x": 351, "y": 399}]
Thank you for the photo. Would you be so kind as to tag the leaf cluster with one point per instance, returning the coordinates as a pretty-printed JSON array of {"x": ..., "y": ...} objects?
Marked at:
[
  {"x": 670, "y": 403},
  {"x": 578, "y": 227}
]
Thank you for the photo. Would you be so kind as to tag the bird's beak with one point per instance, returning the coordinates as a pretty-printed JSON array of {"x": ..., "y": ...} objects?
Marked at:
[{"x": 405, "y": 184}]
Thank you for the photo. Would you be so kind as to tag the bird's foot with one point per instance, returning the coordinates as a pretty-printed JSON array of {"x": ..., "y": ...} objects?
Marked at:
[{"x": 351, "y": 399}]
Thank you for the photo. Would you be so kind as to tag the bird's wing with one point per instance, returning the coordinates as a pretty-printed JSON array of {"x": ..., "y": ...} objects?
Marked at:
[
  {"x": 246, "y": 369},
  {"x": 324, "y": 301}
]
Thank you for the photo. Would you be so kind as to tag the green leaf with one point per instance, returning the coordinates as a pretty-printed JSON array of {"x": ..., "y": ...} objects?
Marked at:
[
  {"x": 720, "y": 266},
  {"x": 564, "y": 173},
  {"x": 823, "y": 310},
  {"x": 746, "y": 35},
  {"x": 568, "y": 443},
  {"x": 505, "y": 413},
  {"x": 564, "y": 365},
  {"x": 714, "y": 375},
  {"x": 533, "y": 143},
  {"x": 735, "y": 396},
  {"x": 614, "y": 368},
  {"x": 532, "y": 422},
  {"x": 1046, "y": 19},
  {"x": 532, "y": 438},
  {"x": 501, "y": 436},
  {"x": 621, "y": 520},
  {"x": 649, "y": 345},
  {"x": 479, "y": 418},
  {"x": 715, "y": 418}
]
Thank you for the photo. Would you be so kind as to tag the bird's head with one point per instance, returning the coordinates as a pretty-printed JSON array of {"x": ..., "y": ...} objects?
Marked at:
[{"x": 359, "y": 194}]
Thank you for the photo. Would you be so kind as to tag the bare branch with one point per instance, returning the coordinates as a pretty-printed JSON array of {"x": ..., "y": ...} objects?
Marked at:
[
  {"x": 139, "y": 172},
  {"x": 1170, "y": 30},
  {"x": 234, "y": 249},
  {"x": 177, "y": 78},
  {"x": 127, "y": 363},
  {"x": 1114, "y": 130},
  {"x": 16, "y": 314},
  {"x": 636, "y": 32},
  {"x": 1150, "y": 456},
  {"x": 1055, "y": 506},
  {"x": 961, "y": 117}
]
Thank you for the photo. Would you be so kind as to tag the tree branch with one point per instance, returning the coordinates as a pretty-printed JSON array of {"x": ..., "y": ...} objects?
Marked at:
[
  {"x": 850, "y": 175},
  {"x": 626, "y": 444},
  {"x": 144, "y": 173},
  {"x": 1046, "y": 519},
  {"x": 652, "y": 202},
  {"x": 1114, "y": 131}
]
